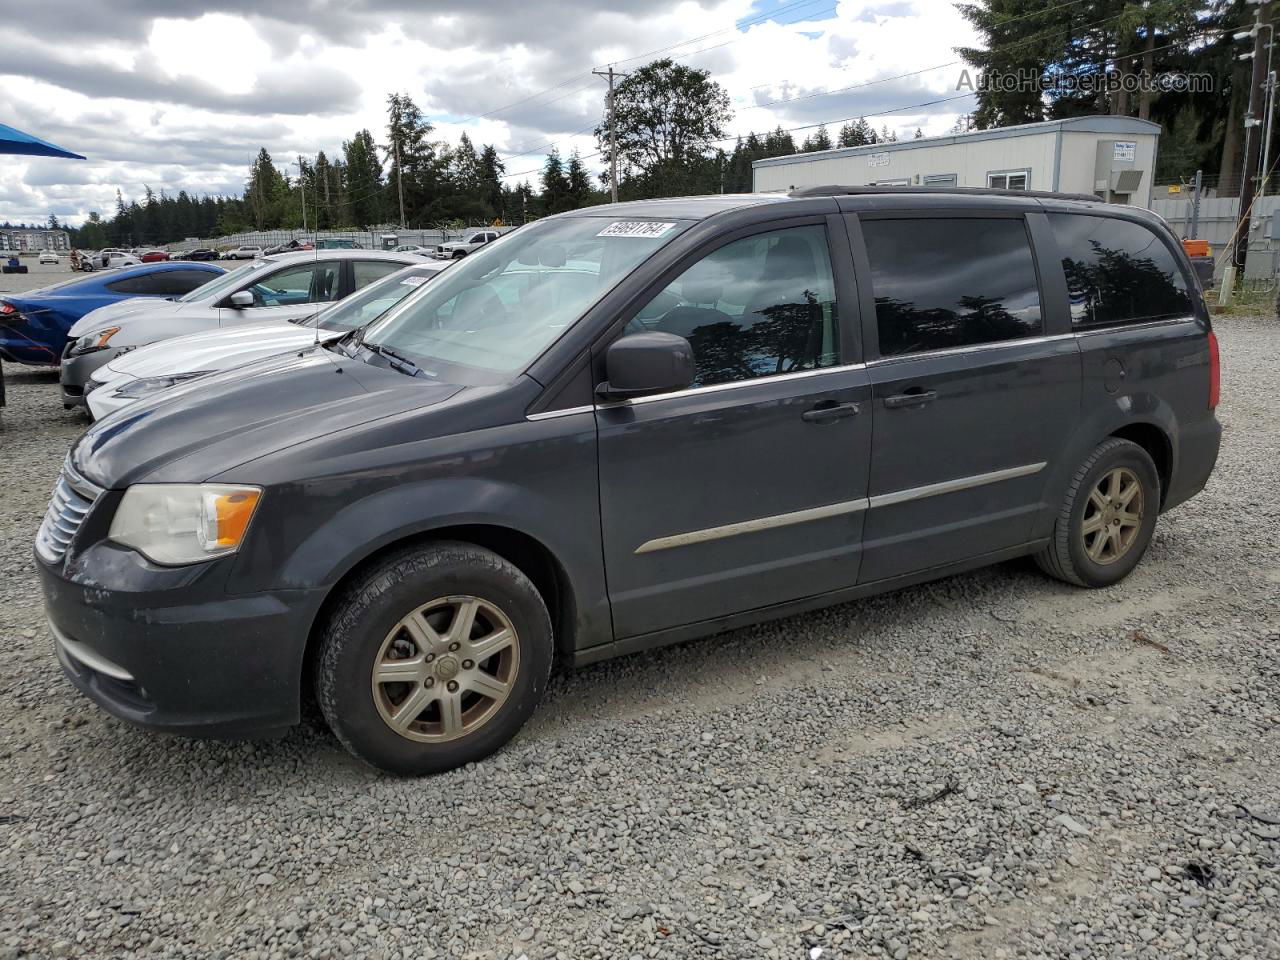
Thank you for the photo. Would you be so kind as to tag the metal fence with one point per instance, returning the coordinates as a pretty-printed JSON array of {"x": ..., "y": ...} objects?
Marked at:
[
  {"x": 1217, "y": 223},
  {"x": 369, "y": 239}
]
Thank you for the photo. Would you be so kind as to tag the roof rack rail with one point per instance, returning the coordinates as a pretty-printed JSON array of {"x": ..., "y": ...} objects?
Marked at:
[{"x": 836, "y": 190}]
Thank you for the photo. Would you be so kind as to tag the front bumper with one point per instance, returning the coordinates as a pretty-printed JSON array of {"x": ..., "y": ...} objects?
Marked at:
[
  {"x": 168, "y": 649},
  {"x": 75, "y": 372}
]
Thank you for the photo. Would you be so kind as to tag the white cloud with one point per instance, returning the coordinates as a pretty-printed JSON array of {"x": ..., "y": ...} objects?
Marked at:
[{"x": 184, "y": 100}]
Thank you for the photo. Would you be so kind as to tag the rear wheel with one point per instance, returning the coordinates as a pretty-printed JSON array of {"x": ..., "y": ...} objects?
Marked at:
[
  {"x": 1107, "y": 518},
  {"x": 434, "y": 659}
]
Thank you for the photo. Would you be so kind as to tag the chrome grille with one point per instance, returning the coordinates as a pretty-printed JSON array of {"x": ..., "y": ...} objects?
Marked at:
[{"x": 69, "y": 505}]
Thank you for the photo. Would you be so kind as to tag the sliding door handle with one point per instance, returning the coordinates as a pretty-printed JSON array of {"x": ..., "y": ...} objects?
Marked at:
[
  {"x": 829, "y": 410},
  {"x": 911, "y": 398}
]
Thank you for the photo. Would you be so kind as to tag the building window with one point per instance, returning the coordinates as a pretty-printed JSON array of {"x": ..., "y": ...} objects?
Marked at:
[
  {"x": 1009, "y": 179},
  {"x": 940, "y": 180}
]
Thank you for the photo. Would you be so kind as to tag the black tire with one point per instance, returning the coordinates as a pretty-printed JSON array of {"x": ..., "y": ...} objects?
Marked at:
[
  {"x": 459, "y": 254},
  {"x": 1066, "y": 557},
  {"x": 370, "y": 609}
]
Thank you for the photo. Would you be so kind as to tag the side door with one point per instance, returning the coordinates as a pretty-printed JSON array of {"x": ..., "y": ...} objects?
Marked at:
[
  {"x": 289, "y": 293},
  {"x": 976, "y": 384},
  {"x": 748, "y": 489}
]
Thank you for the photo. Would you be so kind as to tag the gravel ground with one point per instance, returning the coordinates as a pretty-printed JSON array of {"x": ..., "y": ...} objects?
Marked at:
[{"x": 994, "y": 765}]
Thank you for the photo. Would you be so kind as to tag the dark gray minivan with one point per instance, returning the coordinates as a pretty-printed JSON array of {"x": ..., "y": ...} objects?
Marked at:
[{"x": 622, "y": 427}]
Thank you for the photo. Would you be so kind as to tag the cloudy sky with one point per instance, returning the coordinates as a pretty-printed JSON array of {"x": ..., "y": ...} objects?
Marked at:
[{"x": 181, "y": 94}]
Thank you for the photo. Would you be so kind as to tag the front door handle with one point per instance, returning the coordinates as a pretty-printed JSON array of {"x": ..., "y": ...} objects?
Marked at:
[
  {"x": 914, "y": 397},
  {"x": 829, "y": 410}
]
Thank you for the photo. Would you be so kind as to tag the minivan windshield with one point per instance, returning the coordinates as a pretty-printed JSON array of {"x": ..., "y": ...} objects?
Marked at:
[
  {"x": 497, "y": 309},
  {"x": 371, "y": 301},
  {"x": 228, "y": 281}
]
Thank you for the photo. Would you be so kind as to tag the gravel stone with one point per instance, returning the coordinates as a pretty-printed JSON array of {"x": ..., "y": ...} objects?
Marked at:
[{"x": 1107, "y": 799}]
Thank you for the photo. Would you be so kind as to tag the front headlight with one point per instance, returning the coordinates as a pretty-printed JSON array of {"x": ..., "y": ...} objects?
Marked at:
[
  {"x": 174, "y": 524},
  {"x": 92, "y": 342},
  {"x": 146, "y": 386}
]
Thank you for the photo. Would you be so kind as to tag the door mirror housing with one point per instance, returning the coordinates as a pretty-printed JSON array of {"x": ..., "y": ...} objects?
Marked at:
[
  {"x": 240, "y": 299},
  {"x": 645, "y": 363}
]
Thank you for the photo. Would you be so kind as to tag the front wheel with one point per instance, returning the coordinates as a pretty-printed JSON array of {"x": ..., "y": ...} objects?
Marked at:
[
  {"x": 1107, "y": 518},
  {"x": 434, "y": 659},
  {"x": 459, "y": 254}
]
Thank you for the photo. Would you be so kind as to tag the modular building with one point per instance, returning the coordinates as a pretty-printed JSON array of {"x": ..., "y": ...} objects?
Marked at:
[{"x": 1111, "y": 157}]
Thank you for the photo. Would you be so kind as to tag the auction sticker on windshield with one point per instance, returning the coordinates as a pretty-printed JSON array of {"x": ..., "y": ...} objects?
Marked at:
[
  {"x": 412, "y": 281},
  {"x": 635, "y": 228}
]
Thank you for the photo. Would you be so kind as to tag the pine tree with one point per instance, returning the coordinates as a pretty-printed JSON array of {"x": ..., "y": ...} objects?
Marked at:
[
  {"x": 491, "y": 191},
  {"x": 579, "y": 183},
  {"x": 555, "y": 185}
]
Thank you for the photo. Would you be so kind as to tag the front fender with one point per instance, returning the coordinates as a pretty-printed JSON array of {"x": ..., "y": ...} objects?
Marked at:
[{"x": 543, "y": 486}]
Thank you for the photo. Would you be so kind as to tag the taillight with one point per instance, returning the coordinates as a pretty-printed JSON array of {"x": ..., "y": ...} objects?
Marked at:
[
  {"x": 1215, "y": 371},
  {"x": 7, "y": 308}
]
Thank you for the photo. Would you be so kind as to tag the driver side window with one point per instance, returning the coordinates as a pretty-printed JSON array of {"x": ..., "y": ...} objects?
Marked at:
[{"x": 757, "y": 307}]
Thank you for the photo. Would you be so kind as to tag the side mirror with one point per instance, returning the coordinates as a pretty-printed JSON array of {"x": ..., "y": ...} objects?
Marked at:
[
  {"x": 645, "y": 363},
  {"x": 240, "y": 299}
]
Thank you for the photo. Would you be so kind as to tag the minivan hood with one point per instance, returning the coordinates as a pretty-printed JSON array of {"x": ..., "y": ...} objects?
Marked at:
[
  {"x": 113, "y": 312},
  {"x": 192, "y": 432},
  {"x": 214, "y": 350}
]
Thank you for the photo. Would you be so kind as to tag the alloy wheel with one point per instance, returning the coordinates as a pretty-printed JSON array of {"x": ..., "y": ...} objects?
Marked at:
[
  {"x": 445, "y": 669},
  {"x": 1113, "y": 516}
]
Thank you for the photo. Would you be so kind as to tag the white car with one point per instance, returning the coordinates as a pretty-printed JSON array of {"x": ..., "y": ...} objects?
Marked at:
[
  {"x": 244, "y": 252},
  {"x": 416, "y": 248},
  {"x": 458, "y": 249},
  {"x": 291, "y": 286},
  {"x": 148, "y": 370},
  {"x": 48, "y": 256}
]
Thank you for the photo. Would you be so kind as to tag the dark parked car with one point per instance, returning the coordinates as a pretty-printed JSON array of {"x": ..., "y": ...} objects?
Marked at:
[
  {"x": 34, "y": 325},
  {"x": 623, "y": 427},
  {"x": 200, "y": 253}
]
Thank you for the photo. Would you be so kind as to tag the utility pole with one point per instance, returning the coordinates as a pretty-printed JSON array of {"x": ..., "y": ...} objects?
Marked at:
[
  {"x": 1195, "y": 206},
  {"x": 1252, "y": 144},
  {"x": 399, "y": 181},
  {"x": 613, "y": 131}
]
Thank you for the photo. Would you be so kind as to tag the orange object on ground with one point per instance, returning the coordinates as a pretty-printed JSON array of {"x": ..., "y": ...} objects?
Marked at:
[{"x": 1196, "y": 248}]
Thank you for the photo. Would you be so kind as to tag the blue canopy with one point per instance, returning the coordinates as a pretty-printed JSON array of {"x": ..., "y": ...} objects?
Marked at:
[{"x": 15, "y": 141}]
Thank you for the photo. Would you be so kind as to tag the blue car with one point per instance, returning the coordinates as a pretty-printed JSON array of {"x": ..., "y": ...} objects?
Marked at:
[{"x": 34, "y": 325}]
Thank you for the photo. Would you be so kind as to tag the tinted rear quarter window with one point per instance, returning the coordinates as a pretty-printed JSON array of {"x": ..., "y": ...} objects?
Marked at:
[
  {"x": 1118, "y": 271},
  {"x": 946, "y": 283}
]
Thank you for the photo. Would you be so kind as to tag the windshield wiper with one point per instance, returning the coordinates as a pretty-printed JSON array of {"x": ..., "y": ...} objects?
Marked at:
[{"x": 397, "y": 361}]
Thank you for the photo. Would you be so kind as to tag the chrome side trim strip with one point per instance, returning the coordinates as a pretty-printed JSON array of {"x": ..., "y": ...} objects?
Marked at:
[
  {"x": 78, "y": 651},
  {"x": 552, "y": 414},
  {"x": 838, "y": 509},
  {"x": 974, "y": 348},
  {"x": 731, "y": 385},
  {"x": 952, "y": 486},
  {"x": 752, "y": 526}
]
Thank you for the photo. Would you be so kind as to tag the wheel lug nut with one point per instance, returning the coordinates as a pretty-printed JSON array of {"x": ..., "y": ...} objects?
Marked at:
[
  {"x": 430, "y": 657},
  {"x": 468, "y": 664},
  {"x": 453, "y": 686},
  {"x": 430, "y": 682},
  {"x": 453, "y": 646}
]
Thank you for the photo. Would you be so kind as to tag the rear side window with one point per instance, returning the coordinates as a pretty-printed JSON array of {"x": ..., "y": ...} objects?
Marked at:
[
  {"x": 1118, "y": 271},
  {"x": 174, "y": 283},
  {"x": 756, "y": 307},
  {"x": 364, "y": 272},
  {"x": 945, "y": 283},
  {"x": 137, "y": 286}
]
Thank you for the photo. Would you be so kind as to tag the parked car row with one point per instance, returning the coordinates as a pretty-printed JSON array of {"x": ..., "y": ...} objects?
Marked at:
[{"x": 612, "y": 429}]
